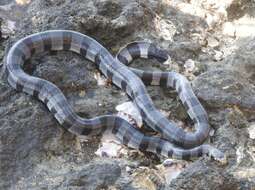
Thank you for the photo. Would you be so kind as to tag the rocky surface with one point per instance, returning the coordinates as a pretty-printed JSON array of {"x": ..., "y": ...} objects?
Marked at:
[{"x": 36, "y": 153}]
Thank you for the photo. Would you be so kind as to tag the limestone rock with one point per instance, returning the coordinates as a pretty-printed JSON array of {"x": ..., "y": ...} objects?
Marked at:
[{"x": 37, "y": 153}]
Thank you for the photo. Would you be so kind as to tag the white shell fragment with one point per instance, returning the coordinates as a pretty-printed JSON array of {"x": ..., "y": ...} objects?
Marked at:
[
  {"x": 189, "y": 65},
  {"x": 101, "y": 80},
  {"x": 212, "y": 42},
  {"x": 108, "y": 149},
  {"x": 110, "y": 146},
  {"x": 218, "y": 55},
  {"x": 129, "y": 112},
  {"x": 251, "y": 131},
  {"x": 170, "y": 169}
]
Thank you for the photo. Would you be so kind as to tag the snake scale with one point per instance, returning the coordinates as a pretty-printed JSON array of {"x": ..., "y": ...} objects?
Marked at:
[{"x": 174, "y": 143}]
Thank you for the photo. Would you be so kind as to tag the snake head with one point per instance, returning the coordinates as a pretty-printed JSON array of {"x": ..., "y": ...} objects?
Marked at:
[
  {"x": 217, "y": 155},
  {"x": 161, "y": 55}
]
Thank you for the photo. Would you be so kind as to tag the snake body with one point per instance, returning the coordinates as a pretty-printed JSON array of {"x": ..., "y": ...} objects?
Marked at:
[{"x": 175, "y": 140}]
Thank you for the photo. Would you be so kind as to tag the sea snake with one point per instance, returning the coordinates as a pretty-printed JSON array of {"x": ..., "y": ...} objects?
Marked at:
[{"x": 174, "y": 143}]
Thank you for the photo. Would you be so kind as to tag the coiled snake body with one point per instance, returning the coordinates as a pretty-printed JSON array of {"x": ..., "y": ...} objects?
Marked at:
[{"x": 175, "y": 143}]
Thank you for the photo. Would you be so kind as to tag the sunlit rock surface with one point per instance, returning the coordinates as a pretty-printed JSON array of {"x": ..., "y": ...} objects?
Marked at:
[{"x": 211, "y": 42}]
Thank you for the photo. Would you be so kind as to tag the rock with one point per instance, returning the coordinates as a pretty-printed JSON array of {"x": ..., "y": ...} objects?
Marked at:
[
  {"x": 237, "y": 9},
  {"x": 36, "y": 153},
  {"x": 201, "y": 176},
  {"x": 149, "y": 179},
  {"x": 242, "y": 58},
  {"x": 99, "y": 174},
  {"x": 222, "y": 87},
  {"x": 29, "y": 133},
  {"x": 7, "y": 28},
  {"x": 237, "y": 118},
  {"x": 103, "y": 19},
  {"x": 4, "y": 2},
  {"x": 95, "y": 175}
]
